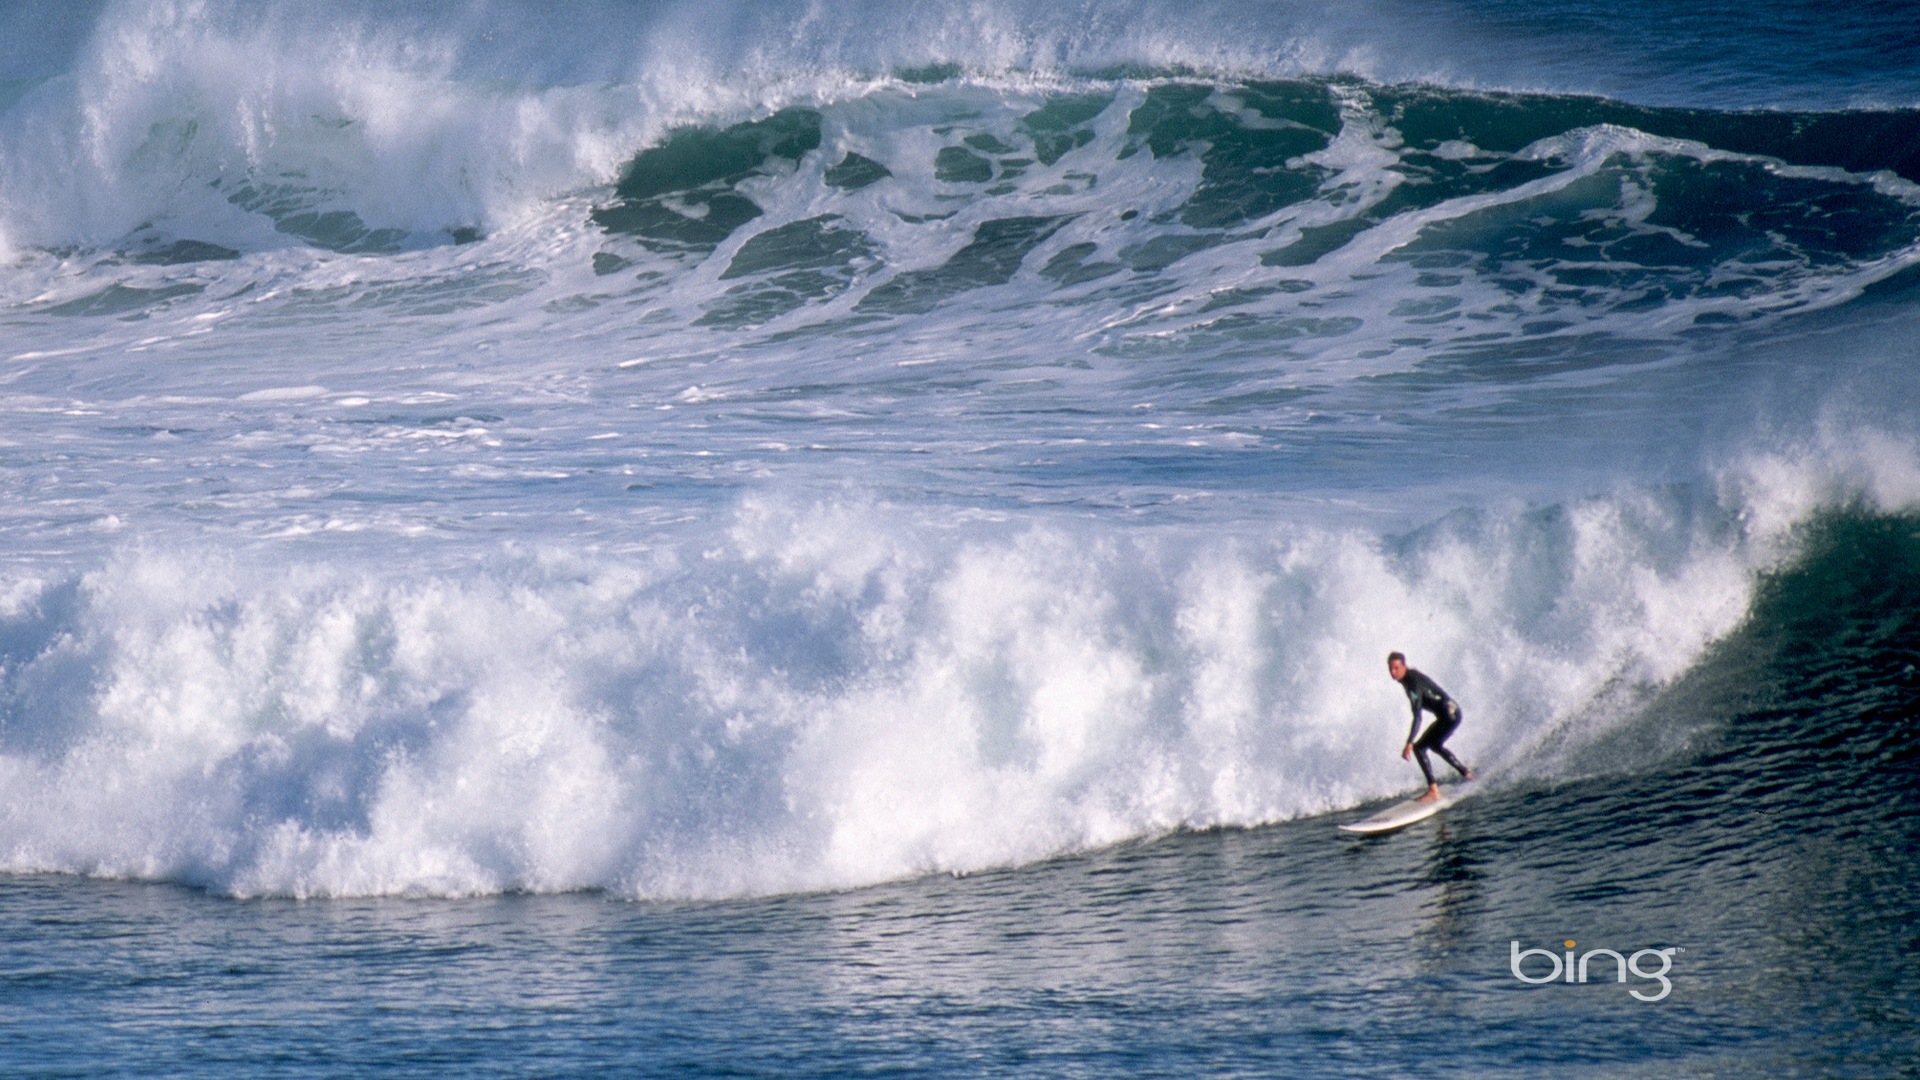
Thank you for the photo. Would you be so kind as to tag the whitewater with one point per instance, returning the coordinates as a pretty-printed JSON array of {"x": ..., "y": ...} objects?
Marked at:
[
  {"x": 419, "y": 484},
  {"x": 673, "y": 495}
]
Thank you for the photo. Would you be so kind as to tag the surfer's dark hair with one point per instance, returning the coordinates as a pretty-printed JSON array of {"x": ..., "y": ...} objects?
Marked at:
[{"x": 1400, "y": 656}]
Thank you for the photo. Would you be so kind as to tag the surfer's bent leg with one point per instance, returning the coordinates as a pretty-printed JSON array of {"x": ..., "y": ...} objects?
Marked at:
[
  {"x": 1420, "y": 755},
  {"x": 1434, "y": 737}
]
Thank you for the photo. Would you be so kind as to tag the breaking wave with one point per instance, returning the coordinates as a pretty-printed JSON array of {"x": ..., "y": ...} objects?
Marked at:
[{"x": 826, "y": 695}]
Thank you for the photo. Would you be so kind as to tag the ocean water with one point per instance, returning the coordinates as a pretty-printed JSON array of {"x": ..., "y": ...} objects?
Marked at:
[{"x": 826, "y": 539}]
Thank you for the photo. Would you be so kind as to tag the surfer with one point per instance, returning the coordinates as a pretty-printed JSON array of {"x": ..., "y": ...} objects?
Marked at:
[{"x": 1424, "y": 693}]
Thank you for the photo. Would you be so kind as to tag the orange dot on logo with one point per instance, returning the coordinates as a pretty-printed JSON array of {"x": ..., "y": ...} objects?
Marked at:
[{"x": 1569, "y": 943}]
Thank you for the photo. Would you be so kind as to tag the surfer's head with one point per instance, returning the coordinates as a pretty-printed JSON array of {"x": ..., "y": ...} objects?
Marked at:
[{"x": 1397, "y": 665}]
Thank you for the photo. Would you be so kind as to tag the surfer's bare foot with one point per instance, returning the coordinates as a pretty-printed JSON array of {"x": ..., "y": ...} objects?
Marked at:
[{"x": 1433, "y": 792}]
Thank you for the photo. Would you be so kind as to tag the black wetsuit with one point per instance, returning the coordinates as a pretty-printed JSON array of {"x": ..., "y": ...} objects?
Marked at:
[{"x": 1424, "y": 693}]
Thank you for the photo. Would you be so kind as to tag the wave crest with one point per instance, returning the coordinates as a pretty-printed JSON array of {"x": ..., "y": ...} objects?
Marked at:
[{"x": 830, "y": 695}]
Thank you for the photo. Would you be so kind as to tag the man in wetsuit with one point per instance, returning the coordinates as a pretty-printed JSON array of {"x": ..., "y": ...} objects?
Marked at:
[{"x": 1424, "y": 693}]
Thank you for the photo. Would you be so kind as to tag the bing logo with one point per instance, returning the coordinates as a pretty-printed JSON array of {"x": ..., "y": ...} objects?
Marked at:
[{"x": 1565, "y": 969}]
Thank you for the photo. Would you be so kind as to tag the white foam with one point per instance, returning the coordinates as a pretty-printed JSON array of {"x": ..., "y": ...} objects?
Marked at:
[
  {"x": 179, "y": 106},
  {"x": 182, "y": 109},
  {"x": 825, "y": 695},
  {"x": 284, "y": 393}
]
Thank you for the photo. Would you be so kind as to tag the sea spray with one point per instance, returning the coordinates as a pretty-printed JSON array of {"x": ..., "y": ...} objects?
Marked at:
[{"x": 820, "y": 695}]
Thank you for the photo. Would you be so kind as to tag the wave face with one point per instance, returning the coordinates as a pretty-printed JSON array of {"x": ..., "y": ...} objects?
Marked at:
[
  {"x": 749, "y": 449},
  {"x": 828, "y": 696}
]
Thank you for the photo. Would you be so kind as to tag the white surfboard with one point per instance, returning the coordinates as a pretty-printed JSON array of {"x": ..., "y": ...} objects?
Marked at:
[{"x": 1399, "y": 815}]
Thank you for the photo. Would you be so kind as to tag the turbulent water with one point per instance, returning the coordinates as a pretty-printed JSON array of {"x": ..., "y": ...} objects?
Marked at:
[{"x": 699, "y": 453}]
